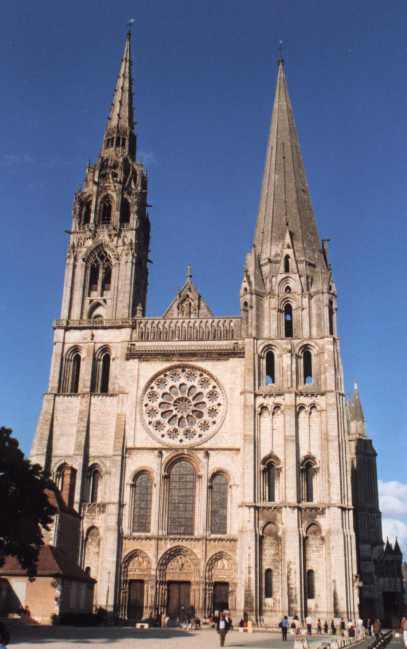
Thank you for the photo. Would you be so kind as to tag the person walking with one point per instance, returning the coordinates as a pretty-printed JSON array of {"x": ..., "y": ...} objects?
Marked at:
[
  {"x": 222, "y": 628},
  {"x": 4, "y": 636},
  {"x": 308, "y": 622},
  {"x": 326, "y": 626},
  {"x": 403, "y": 629},
  {"x": 377, "y": 627},
  {"x": 333, "y": 627},
  {"x": 319, "y": 626},
  {"x": 284, "y": 627}
]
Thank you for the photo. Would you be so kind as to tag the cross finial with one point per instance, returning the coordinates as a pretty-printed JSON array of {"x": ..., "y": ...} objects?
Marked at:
[
  {"x": 280, "y": 52},
  {"x": 130, "y": 25},
  {"x": 189, "y": 273}
]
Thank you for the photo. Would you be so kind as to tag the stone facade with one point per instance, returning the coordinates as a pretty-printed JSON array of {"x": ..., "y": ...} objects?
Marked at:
[{"x": 210, "y": 457}]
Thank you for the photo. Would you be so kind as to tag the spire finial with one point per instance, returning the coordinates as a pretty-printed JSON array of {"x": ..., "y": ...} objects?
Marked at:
[
  {"x": 280, "y": 53},
  {"x": 130, "y": 25},
  {"x": 188, "y": 275}
]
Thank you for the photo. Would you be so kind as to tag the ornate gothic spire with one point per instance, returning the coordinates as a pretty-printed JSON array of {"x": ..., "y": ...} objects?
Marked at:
[
  {"x": 356, "y": 414},
  {"x": 285, "y": 200},
  {"x": 119, "y": 134}
]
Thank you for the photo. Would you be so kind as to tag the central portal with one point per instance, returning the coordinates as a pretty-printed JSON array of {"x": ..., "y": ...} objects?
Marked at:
[{"x": 179, "y": 599}]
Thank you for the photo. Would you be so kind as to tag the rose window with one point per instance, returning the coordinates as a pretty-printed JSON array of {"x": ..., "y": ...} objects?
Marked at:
[{"x": 184, "y": 405}]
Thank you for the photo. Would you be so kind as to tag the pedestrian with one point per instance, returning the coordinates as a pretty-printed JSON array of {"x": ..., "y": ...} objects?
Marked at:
[
  {"x": 284, "y": 627},
  {"x": 403, "y": 629},
  {"x": 377, "y": 627},
  {"x": 342, "y": 626},
  {"x": 333, "y": 627},
  {"x": 369, "y": 626},
  {"x": 319, "y": 626},
  {"x": 326, "y": 626},
  {"x": 222, "y": 629},
  {"x": 308, "y": 622},
  {"x": 4, "y": 636}
]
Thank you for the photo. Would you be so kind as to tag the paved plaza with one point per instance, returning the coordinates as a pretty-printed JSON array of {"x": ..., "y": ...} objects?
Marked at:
[{"x": 62, "y": 637}]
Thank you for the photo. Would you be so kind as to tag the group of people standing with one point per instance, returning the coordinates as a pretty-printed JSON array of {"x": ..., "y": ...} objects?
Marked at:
[{"x": 334, "y": 627}]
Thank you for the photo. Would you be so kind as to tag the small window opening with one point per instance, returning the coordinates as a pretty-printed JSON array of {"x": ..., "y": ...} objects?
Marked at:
[
  {"x": 287, "y": 289},
  {"x": 105, "y": 372},
  {"x": 271, "y": 482},
  {"x": 307, "y": 367},
  {"x": 270, "y": 368},
  {"x": 288, "y": 321},
  {"x": 125, "y": 212},
  {"x": 94, "y": 277},
  {"x": 107, "y": 278},
  {"x": 331, "y": 317},
  {"x": 287, "y": 264},
  {"x": 94, "y": 480},
  {"x": 268, "y": 583},
  {"x": 310, "y": 584},
  {"x": 309, "y": 482},
  {"x": 86, "y": 213}
]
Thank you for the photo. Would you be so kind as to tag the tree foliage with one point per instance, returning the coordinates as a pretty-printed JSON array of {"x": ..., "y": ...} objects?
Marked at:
[{"x": 24, "y": 505}]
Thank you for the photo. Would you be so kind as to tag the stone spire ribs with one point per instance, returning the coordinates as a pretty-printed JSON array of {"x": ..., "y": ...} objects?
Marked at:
[
  {"x": 285, "y": 201},
  {"x": 119, "y": 134}
]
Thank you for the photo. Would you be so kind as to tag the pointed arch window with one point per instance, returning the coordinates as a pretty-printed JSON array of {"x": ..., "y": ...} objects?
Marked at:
[
  {"x": 310, "y": 584},
  {"x": 125, "y": 212},
  {"x": 105, "y": 213},
  {"x": 219, "y": 504},
  {"x": 142, "y": 491},
  {"x": 288, "y": 321},
  {"x": 268, "y": 583},
  {"x": 270, "y": 368},
  {"x": 287, "y": 263},
  {"x": 307, "y": 367},
  {"x": 94, "y": 277},
  {"x": 181, "y": 498},
  {"x": 331, "y": 317},
  {"x": 101, "y": 376},
  {"x": 94, "y": 478},
  {"x": 100, "y": 272},
  {"x": 106, "y": 278},
  {"x": 72, "y": 370}
]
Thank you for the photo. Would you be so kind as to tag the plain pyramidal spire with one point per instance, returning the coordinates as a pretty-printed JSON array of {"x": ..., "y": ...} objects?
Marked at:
[
  {"x": 119, "y": 134},
  {"x": 285, "y": 201}
]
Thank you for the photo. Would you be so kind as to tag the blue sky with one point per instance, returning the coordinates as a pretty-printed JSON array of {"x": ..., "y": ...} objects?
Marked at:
[{"x": 204, "y": 83}]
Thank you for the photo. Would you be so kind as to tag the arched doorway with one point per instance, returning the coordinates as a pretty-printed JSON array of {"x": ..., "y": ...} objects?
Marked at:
[
  {"x": 178, "y": 583},
  {"x": 135, "y": 601},
  {"x": 220, "y": 583}
]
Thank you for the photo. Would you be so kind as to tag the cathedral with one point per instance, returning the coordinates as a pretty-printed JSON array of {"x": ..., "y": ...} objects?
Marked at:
[{"x": 214, "y": 462}]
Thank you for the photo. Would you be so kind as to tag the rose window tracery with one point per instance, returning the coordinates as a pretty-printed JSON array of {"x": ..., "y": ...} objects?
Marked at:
[{"x": 183, "y": 406}]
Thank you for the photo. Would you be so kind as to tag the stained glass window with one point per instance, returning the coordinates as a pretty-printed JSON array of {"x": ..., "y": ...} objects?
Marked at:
[
  {"x": 219, "y": 504},
  {"x": 181, "y": 499}
]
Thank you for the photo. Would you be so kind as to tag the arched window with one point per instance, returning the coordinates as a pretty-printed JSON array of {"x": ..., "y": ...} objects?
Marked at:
[
  {"x": 288, "y": 321},
  {"x": 219, "y": 504},
  {"x": 308, "y": 481},
  {"x": 86, "y": 210},
  {"x": 100, "y": 272},
  {"x": 310, "y": 584},
  {"x": 331, "y": 317},
  {"x": 270, "y": 368},
  {"x": 268, "y": 583},
  {"x": 307, "y": 366},
  {"x": 125, "y": 212},
  {"x": 181, "y": 498},
  {"x": 93, "y": 484},
  {"x": 270, "y": 482},
  {"x": 101, "y": 374},
  {"x": 142, "y": 496},
  {"x": 287, "y": 264},
  {"x": 60, "y": 476},
  {"x": 105, "y": 212},
  {"x": 72, "y": 370}
]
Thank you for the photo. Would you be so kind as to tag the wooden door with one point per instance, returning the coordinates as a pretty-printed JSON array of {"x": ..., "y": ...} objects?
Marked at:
[
  {"x": 135, "y": 604},
  {"x": 221, "y": 596},
  {"x": 179, "y": 599}
]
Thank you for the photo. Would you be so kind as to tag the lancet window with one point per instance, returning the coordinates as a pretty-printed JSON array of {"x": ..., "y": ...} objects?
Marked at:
[
  {"x": 268, "y": 583},
  {"x": 105, "y": 211},
  {"x": 270, "y": 368},
  {"x": 101, "y": 374},
  {"x": 288, "y": 321},
  {"x": 94, "y": 477},
  {"x": 125, "y": 212},
  {"x": 99, "y": 272},
  {"x": 270, "y": 482},
  {"x": 307, "y": 366},
  {"x": 308, "y": 477},
  {"x": 72, "y": 370},
  {"x": 287, "y": 263},
  {"x": 142, "y": 492}
]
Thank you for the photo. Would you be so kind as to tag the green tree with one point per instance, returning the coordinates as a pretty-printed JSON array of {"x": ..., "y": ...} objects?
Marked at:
[{"x": 24, "y": 505}]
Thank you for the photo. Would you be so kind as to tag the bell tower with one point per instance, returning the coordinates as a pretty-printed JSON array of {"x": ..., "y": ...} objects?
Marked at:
[{"x": 106, "y": 267}]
